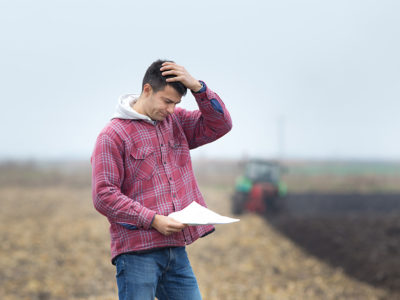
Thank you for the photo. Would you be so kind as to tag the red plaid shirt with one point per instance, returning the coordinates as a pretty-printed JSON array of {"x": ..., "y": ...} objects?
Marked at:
[{"x": 140, "y": 169}]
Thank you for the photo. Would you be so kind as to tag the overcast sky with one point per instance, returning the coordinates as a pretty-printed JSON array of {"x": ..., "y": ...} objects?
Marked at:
[{"x": 302, "y": 79}]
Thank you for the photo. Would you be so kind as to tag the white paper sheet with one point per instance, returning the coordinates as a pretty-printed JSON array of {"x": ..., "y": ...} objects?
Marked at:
[{"x": 196, "y": 214}]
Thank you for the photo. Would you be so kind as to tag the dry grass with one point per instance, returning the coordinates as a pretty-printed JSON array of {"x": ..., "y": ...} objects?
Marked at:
[{"x": 56, "y": 246}]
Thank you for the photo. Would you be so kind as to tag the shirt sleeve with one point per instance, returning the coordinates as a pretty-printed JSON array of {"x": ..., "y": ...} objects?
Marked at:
[
  {"x": 207, "y": 124},
  {"x": 107, "y": 178}
]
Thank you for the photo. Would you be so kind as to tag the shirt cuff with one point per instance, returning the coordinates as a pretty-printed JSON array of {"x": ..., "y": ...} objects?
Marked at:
[
  {"x": 146, "y": 217},
  {"x": 203, "y": 88}
]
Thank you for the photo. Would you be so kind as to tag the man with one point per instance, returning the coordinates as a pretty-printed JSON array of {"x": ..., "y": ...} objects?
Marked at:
[{"x": 142, "y": 172}]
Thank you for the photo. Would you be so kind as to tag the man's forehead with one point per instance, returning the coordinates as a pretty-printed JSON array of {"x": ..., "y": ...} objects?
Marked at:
[{"x": 170, "y": 93}]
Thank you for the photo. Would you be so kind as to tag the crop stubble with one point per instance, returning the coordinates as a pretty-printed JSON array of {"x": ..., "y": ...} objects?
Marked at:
[{"x": 56, "y": 246}]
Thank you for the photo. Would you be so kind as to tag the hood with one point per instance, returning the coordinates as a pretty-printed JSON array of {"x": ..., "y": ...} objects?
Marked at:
[{"x": 124, "y": 109}]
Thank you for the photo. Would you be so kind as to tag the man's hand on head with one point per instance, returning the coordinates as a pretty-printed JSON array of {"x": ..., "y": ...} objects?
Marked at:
[
  {"x": 171, "y": 68},
  {"x": 166, "y": 225}
]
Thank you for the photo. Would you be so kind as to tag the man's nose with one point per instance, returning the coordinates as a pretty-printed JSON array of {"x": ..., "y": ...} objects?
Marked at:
[{"x": 171, "y": 109}]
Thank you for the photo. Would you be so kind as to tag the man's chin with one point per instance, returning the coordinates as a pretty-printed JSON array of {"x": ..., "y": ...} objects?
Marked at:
[
  {"x": 159, "y": 118},
  {"x": 162, "y": 117}
]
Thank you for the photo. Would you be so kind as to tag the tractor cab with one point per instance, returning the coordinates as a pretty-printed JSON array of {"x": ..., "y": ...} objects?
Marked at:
[{"x": 262, "y": 171}]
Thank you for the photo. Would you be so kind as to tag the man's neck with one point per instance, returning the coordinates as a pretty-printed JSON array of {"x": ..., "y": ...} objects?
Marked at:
[{"x": 137, "y": 106}]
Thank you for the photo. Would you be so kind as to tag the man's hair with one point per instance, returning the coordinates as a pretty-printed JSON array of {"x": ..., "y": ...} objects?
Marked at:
[{"x": 158, "y": 82}]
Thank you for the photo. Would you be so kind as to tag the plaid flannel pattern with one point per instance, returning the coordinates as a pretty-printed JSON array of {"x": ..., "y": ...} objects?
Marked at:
[{"x": 140, "y": 169}]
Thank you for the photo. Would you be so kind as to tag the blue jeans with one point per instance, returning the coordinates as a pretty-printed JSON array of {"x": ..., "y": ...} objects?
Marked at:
[{"x": 164, "y": 273}]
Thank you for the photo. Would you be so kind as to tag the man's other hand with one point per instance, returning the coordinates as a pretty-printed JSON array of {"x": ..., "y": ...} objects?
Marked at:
[
  {"x": 166, "y": 225},
  {"x": 171, "y": 68}
]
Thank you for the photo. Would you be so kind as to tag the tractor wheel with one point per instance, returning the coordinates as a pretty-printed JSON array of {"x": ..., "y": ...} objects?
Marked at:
[
  {"x": 238, "y": 200},
  {"x": 272, "y": 205}
]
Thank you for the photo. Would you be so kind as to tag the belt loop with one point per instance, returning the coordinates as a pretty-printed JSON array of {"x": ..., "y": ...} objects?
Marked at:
[{"x": 171, "y": 256}]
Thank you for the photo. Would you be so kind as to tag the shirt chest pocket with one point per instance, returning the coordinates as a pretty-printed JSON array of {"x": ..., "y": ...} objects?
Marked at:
[
  {"x": 179, "y": 152},
  {"x": 142, "y": 162}
]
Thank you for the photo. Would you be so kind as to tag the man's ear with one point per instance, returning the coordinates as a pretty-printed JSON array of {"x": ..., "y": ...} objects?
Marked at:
[{"x": 147, "y": 90}]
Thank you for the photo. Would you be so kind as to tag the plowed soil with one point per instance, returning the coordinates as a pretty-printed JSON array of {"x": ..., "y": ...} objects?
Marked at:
[{"x": 54, "y": 245}]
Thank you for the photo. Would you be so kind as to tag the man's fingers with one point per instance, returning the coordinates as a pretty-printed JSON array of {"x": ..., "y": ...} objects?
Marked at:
[
  {"x": 172, "y": 72},
  {"x": 171, "y": 67},
  {"x": 176, "y": 225},
  {"x": 169, "y": 63},
  {"x": 172, "y": 228},
  {"x": 172, "y": 79},
  {"x": 166, "y": 225}
]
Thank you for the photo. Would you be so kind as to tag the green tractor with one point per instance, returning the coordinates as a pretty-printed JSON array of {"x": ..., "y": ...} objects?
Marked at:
[{"x": 260, "y": 188}]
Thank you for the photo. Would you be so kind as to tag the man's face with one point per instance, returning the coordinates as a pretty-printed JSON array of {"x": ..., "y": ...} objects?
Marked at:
[{"x": 162, "y": 103}]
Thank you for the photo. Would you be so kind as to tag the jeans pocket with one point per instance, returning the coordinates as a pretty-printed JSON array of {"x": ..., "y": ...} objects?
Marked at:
[{"x": 120, "y": 265}]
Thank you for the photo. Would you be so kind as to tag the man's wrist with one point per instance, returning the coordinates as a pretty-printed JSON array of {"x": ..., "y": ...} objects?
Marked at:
[
  {"x": 152, "y": 221},
  {"x": 202, "y": 89},
  {"x": 198, "y": 87}
]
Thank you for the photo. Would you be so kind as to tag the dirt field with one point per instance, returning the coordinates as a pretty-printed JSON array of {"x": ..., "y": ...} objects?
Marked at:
[
  {"x": 356, "y": 232},
  {"x": 56, "y": 246}
]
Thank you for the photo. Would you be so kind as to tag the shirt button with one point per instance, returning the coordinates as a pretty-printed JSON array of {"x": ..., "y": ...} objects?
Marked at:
[
  {"x": 174, "y": 195},
  {"x": 165, "y": 162},
  {"x": 170, "y": 178}
]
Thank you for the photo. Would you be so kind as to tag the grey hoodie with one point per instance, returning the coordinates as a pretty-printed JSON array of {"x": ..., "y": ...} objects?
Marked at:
[{"x": 124, "y": 109}]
